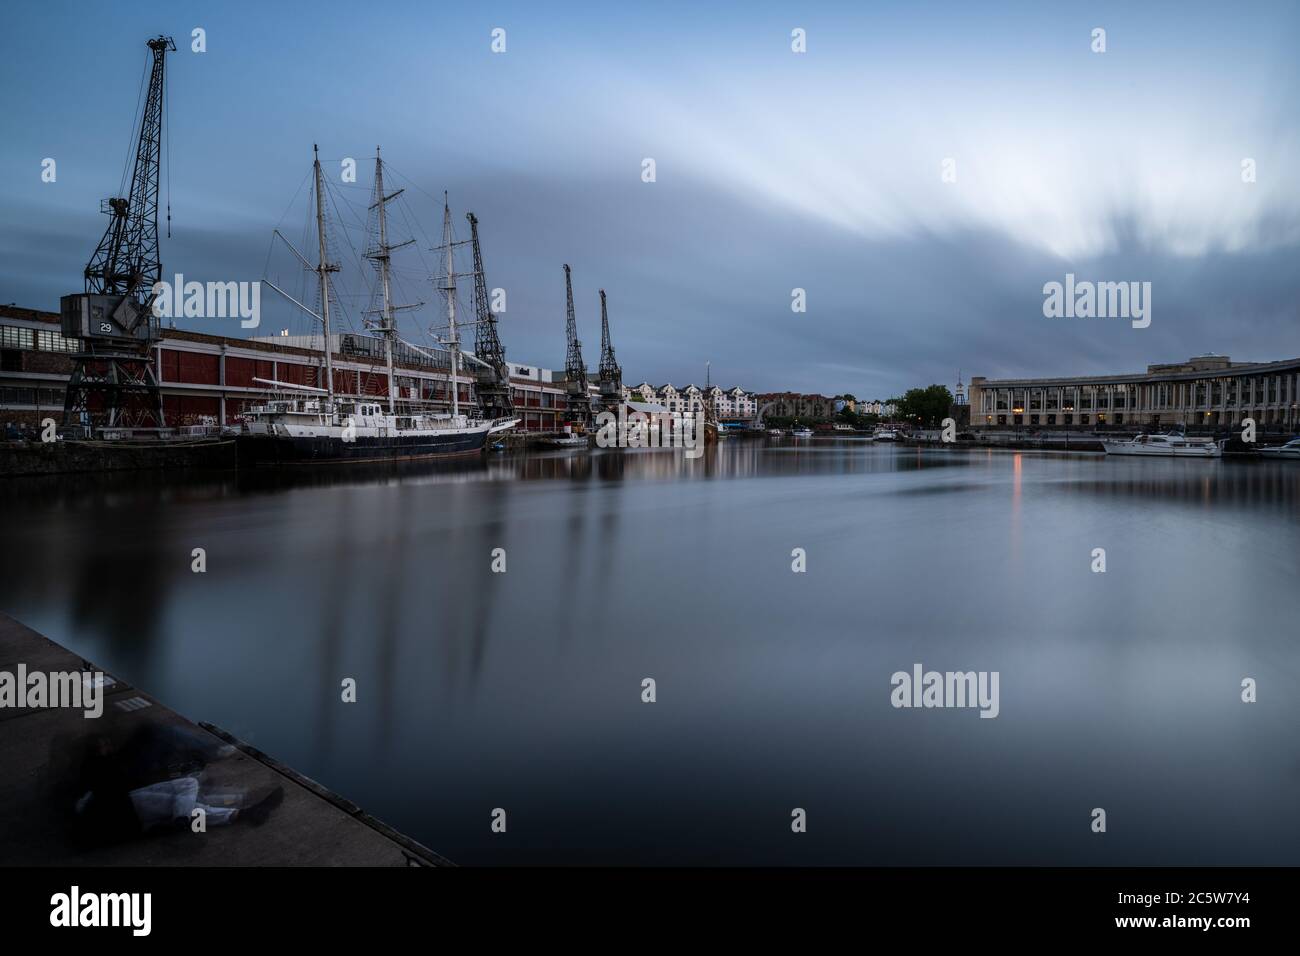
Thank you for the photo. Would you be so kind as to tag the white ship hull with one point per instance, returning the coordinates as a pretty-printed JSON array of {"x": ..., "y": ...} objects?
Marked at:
[
  {"x": 1164, "y": 446},
  {"x": 1290, "y": 450}
]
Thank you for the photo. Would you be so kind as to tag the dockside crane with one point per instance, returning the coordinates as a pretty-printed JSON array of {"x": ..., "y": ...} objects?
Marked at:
[
  {"x": 493, "y": 385},
  {"x": 610, "y": 374},
  {"x": 575, "y": 369},
  {"x": 113, "y": 384}
]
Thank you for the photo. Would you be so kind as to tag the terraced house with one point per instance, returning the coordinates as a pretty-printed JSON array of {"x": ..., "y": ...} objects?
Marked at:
[{"x": 732, "y": 404}]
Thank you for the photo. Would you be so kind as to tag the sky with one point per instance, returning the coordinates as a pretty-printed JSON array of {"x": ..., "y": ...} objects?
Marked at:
[{"x": 774, "y": 171}]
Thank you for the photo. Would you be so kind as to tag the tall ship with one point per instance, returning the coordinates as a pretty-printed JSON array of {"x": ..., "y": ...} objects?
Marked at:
[{"x": 302, "y": 424}]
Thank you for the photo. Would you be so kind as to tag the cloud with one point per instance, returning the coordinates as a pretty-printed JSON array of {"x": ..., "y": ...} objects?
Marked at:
[
  {"x": 775, "y": 171},
  {"x": 1058, "y": 173}
]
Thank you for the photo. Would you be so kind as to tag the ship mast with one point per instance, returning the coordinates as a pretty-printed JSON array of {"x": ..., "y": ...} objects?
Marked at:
[
  {"x": 382, "y": 256},
  {"x": 322, "y": 271},
  {"x": 450, "y": 289},
  {"x": 388, "y": 327}
]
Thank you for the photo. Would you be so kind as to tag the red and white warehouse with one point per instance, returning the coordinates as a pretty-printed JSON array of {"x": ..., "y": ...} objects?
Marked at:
[{"x": 208, "y": 379}]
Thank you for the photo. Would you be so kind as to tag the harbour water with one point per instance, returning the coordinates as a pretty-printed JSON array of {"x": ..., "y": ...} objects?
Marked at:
[{"x": 522, "y": 690}]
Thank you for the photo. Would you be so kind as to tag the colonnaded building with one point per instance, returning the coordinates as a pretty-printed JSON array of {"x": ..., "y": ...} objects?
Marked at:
[{"x": 1207, "y": 392}]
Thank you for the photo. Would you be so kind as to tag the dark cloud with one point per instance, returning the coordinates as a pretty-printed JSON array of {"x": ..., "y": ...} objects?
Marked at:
[{"x": 694, "y": 275}]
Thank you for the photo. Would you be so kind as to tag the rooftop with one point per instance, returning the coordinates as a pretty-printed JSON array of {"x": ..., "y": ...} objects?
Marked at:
[{"x": 1197, "y": 367}]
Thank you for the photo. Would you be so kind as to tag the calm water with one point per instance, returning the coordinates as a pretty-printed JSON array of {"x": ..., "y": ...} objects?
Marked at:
[{"x": 522, "y": 690}]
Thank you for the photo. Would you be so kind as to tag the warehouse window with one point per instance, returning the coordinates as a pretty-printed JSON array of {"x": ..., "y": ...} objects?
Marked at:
[
  {"x": 55, "y": 342},
  {"x": 18, "y": 396},
  {"x": 12, "y": 337}
]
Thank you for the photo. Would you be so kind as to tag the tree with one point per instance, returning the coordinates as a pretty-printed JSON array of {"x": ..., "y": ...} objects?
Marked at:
[{"x": 927, "y": 407}]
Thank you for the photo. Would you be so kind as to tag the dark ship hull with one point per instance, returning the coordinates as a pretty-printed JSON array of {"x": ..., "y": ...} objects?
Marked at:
[{"x": 255, "y": 451}]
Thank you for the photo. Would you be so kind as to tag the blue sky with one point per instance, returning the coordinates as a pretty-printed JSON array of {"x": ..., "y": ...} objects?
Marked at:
[{"x": 775, "y": 170}]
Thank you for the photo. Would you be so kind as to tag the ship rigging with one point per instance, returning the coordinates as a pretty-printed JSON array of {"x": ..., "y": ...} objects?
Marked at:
[{"x": 313, "y": 423}]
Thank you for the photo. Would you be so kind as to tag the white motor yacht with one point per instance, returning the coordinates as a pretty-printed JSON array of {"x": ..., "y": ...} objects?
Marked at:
[
  {"x": 1165, "y": 446},
  {"x": 1290, "y": 450}
]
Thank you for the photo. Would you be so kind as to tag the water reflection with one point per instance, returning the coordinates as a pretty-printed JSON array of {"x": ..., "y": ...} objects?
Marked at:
[{"x": 523, "y": 689}]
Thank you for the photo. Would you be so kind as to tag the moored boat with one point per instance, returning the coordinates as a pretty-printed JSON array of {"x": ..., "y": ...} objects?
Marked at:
[
  {"x": 316, "y": 430},
  {"x": 1290, "y": 450},
  {"x": 1171, "y": 445},
  {"x": 566, "y": 440},
  {"x": 308, "y": 425}
]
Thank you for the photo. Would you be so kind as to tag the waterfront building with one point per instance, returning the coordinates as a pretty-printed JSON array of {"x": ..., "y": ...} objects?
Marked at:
[
  {"x": 743, "y": 406},
  {"x": 876, "y": 407},
  {"x": 644, "y": 393},
  {"x": 715, "y": 396},
  {"x": 796, "y": 405},
  {"x": 209, "y": 379},
  {"x": 733, "y": 404},
  {"x": 1206, "y": 391},
  {"x": 848, "y": 403}
]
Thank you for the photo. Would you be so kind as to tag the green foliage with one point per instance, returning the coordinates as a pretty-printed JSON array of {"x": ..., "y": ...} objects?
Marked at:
[
  {"x": 856, "y": 420},
  {"x": 926, "y": 407}
]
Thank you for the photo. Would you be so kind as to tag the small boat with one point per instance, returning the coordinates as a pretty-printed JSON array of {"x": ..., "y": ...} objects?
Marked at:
[
  {"x": 567, "y": 440},
  {"x": 802, "y": 433},
  {"x": 1171, "y": 445},
  {"x": 886, "y": 434},
  {"x": 1290, "y": 450},
  {"x": 775, "y": 432}
]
